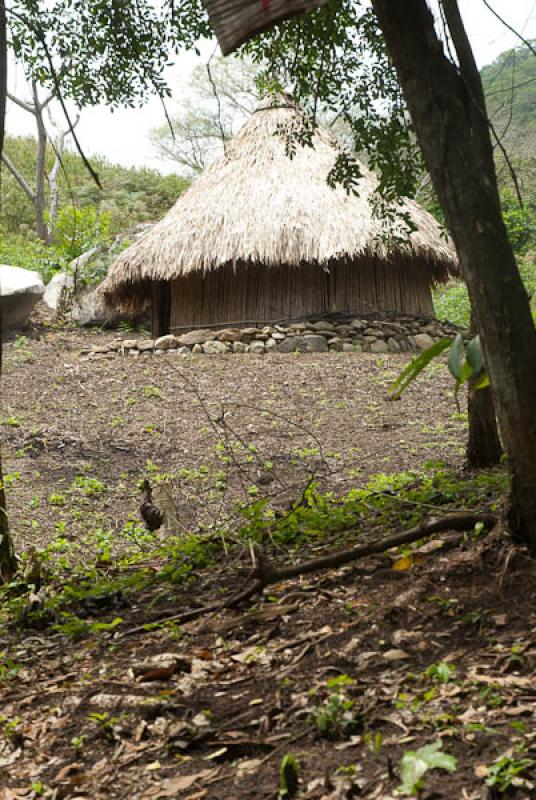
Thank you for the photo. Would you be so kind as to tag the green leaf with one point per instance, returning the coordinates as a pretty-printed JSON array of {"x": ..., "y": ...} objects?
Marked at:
[
  {"x": 457, "y": 357},
  {"x": 474, "y": 356},
  {"x": 416, "y": 763},
  {"x": 415, "y": 367}
]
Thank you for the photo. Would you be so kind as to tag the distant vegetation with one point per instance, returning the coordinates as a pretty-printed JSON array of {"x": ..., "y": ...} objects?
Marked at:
[{"x": 88, "y": 216}]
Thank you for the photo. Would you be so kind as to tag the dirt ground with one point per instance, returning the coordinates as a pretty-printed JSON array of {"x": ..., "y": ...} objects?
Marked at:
[
  {"x": 344, "y": 671},
  {"x": 311, "y": 414}
]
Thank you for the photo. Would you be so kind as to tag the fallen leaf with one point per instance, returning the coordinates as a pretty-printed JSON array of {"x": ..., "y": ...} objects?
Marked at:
[
  {"x": 404, "y": 563},
  {"x": 481, "y": 770},
  {"x": 395, "y": 655}
]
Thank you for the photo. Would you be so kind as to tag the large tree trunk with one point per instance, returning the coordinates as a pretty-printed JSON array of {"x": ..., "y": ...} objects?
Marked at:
[
  {"x": 8, "y": 563},
  {"x": 447, "y": 106},
  {"x": 483, "y": 443}
]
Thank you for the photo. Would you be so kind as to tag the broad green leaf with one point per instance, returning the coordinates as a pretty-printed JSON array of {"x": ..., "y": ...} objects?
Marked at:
[
  {"x": 416, "y": 763},
  {"x": 457, "y": 357},
  {"x": 415, "y": 367},
  {"x": 474, "y": 356}
]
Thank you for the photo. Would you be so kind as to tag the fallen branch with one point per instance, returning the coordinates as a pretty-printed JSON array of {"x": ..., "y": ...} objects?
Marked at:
[{"x": 265, "y": 573}]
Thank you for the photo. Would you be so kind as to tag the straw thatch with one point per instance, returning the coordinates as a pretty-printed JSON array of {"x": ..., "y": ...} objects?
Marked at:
[{"x": 255, "y": 206}]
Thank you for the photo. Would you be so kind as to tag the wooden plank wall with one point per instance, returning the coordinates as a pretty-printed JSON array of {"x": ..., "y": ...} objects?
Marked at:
[{"x": 257, "y": 295}]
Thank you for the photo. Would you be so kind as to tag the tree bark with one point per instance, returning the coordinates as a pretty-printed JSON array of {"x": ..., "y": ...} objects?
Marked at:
[
  {"x": 40, "y": 170},
  {"x": 8, "y": 562},
  {"x": 484, "y": 447},
  {"x": 446, "y": 103}
]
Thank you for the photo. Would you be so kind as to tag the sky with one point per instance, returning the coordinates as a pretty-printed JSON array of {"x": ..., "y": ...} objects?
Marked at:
[{"x": 122, "y": 136}]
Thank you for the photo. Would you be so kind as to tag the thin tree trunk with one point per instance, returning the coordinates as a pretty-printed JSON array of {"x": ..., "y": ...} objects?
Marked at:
[
  {"x": 40, "y": 171},
  {"x": 446, "y": 103},
  {"x": 484, "y": 447},
  {"x": 8, "y": 563}
]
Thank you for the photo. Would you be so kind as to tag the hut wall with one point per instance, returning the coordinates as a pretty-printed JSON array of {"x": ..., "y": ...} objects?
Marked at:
[{"x": 253, "y": 294}]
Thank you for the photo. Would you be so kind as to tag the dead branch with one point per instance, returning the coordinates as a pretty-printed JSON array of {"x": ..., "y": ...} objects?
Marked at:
[{"x": 265, "y": 573}]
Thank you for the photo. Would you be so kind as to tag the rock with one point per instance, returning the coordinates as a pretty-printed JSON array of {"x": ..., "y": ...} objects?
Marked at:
[
  {"x": 167, "y": 342},
  {"x": 128, "y": 344},
  {"x": 134, "y": 353},
  {"x": 197, "y": 349},
  {"x": 292, "y": 345},
  {"x": 184, "y": 351},
  {"x": 335, "y": 344},
  {"x": 315, "y": 343},
  {"x": 357, "y": 347},
  {"x": 197, "y": 337},
  {"x": 322, "y": 325},
  {"x": 215, "y": 348},
  {"x": 256, "y": 347},
  {"x": 423, "y": 341},
  {"x": 230, "y": 335},
  {"x": 271, "y": 345},
  {"x": 87, "y": 310},
  {"x": 20, "y": 290},
  {"x": 393, "y": 345},
  {"x": 379, "y": 347},
  {"x": 344, "y": 330},
  {"x": 146, "y": 345},
  {"x": 347, "y": 347},
  {"x": 240, "y": 347},
  {"x": 278, "y": 336},
  {"x": 56, "y": 288},
  {"x": 358, "y": 324}
]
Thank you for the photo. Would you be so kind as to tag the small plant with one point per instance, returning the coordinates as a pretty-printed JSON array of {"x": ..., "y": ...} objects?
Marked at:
[
  {"x": 288, "y": 777},
  {"x": 104, "y": 723},
  {"x": 335, "y": 714},
  {"x": 56, "y": 500},
  {"x": 89, "y": 486},
  {"x": 77, "y": 743},
  {"x": 416, "y": 763},
  {"x": 507, "y": 771},
  {"x": 373, "y": 742},
  {"x": 8, "y": 668},
  {"x": 440, "y": 673}
]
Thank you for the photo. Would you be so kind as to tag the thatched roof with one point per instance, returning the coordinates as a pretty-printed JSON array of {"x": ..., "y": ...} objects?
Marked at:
[{"x": 256, "y": 205}]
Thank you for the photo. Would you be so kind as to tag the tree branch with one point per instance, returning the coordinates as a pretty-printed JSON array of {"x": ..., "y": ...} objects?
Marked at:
[
  {"x": 21, "y": 180},
  {"x": 26, "y": 106}
]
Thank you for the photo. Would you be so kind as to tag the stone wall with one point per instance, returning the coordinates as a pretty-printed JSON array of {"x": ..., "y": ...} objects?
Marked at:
[{"x": 395, "y": 335}]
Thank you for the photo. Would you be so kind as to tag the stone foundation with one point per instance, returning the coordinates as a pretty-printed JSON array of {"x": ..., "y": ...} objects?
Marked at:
[{"x": 393, "y": 335}]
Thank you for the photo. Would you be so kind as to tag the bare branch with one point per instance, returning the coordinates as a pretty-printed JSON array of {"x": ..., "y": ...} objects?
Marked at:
[
  {"x": 18, "y": 102},
  {"x": 21, "y": 180}
]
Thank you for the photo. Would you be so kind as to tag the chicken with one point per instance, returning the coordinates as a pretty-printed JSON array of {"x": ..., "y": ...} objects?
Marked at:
[{"x": 150, "y": 514}]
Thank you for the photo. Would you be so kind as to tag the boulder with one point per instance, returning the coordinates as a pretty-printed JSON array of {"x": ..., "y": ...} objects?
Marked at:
[
  {"x": 56, "y": 288},
  {"x": 256, "y": 347},
  {"x": 215, "y": 348},
  {"x": 315, "y": 343},
  {"x": 167, "y": 342},
  {"x": 230, "y": 335},
  {"x": 293, "y": 344},
  {"x": 379, "y": 347},
  {"x": 240, "y": 347},
  {"x": 197, "y": 337},
  {"x": 20, "y": 290},
  {"x": 271, "y": 345},
  {"x": 423, "y": 341}
]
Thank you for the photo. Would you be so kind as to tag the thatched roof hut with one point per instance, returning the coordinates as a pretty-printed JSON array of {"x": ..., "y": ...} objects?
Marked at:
[{"x": 260, "y": 238}]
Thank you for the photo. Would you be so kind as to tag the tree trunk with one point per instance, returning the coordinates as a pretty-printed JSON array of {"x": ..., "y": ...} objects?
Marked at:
[
  {"x": 8, "y": 563},
  {"x": 483, "y": 443},
  {"x": 446, "y": 103},
  {"x": 40, "y": 171}
]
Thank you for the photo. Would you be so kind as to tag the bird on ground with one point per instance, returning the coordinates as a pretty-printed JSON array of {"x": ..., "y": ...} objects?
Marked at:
[{"x": 150, "y": 514}]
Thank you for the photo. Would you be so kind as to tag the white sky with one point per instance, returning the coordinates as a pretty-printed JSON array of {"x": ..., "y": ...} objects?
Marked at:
[{"x": 123, "y": 135}]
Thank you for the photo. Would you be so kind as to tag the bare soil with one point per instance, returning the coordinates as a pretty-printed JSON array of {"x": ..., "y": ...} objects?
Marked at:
[{"x": 209, "y": 710}]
